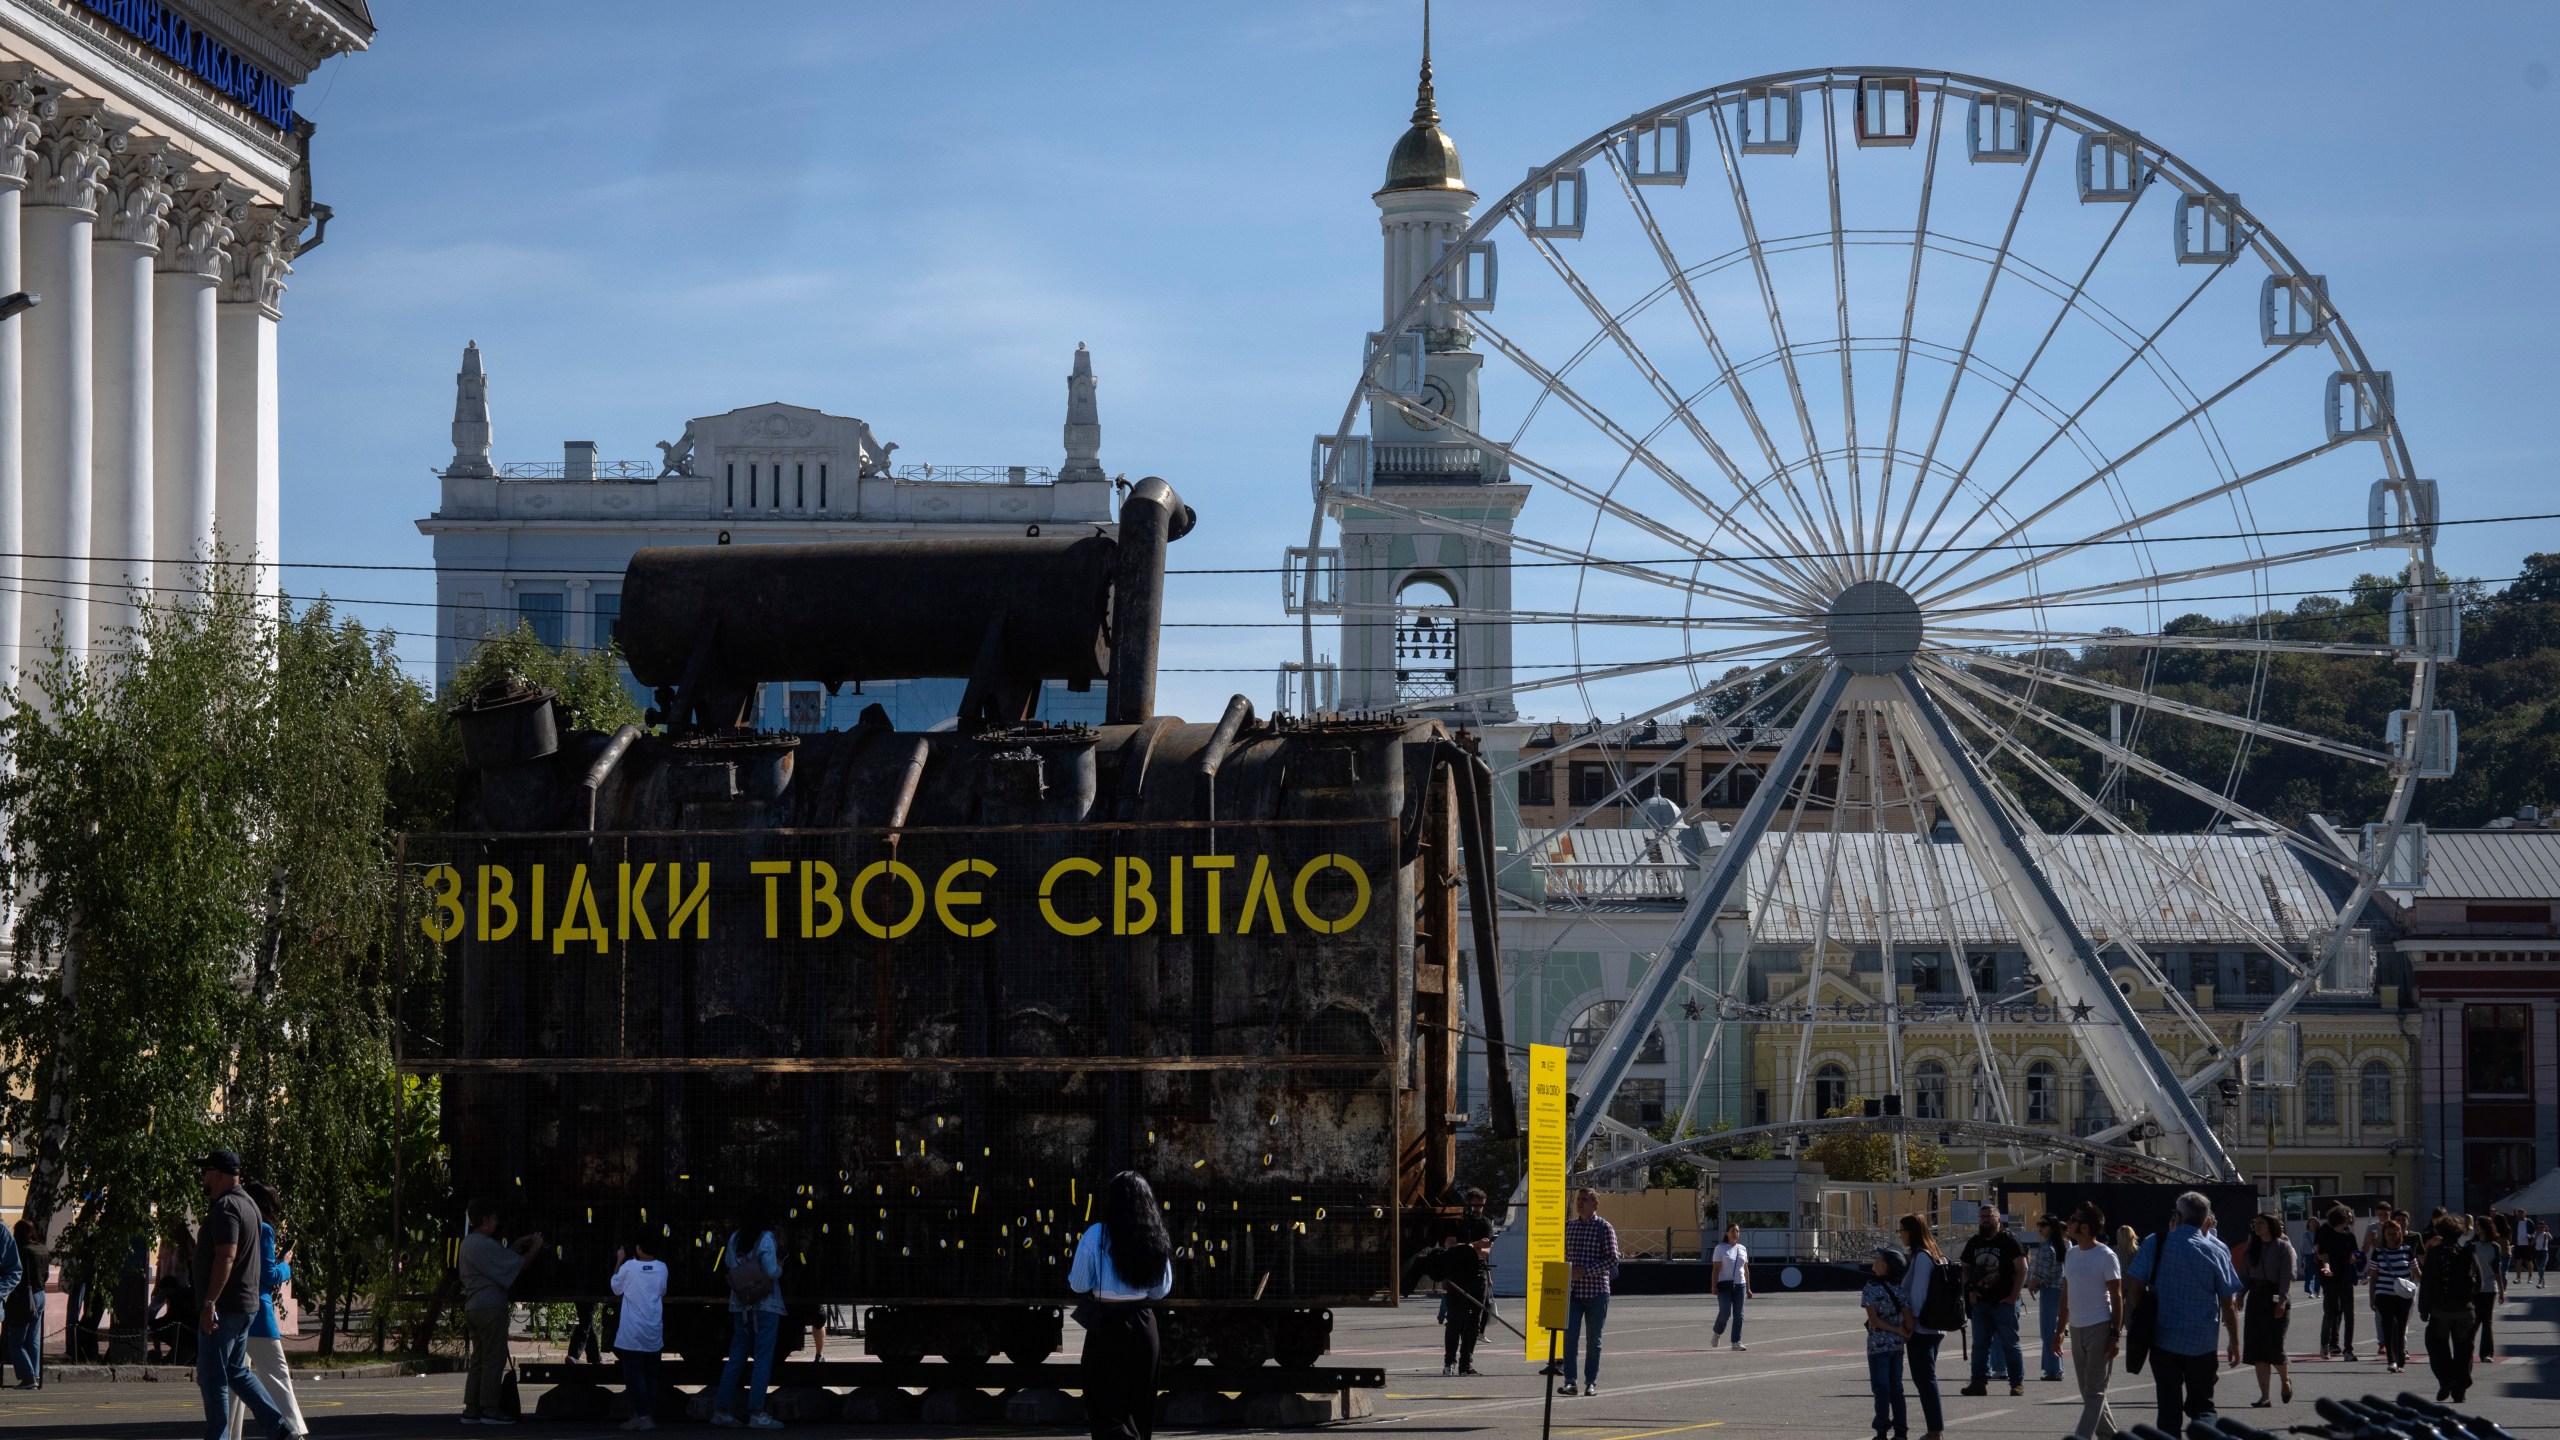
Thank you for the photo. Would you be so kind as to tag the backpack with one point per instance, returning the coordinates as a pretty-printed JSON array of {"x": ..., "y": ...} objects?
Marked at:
[
  {"x": 749, "y": 1283},
  {"x": 1942, "y": 1309},
  {"x": 2448, "y": 1280}
]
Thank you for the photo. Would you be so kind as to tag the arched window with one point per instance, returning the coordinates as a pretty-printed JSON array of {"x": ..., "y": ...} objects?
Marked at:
[
  {"x": 2095, "y": 1113},
  {"x": 1985, "y": 1105},
  {"x": 1426, "y": 639},
  {"x": 1830, "y": 1088},
  {"x": 2042, "y": 1098},
  {"x": 2374, "y": 1107},
  {"x": 1929, "y": 1091},
  {"x": 2320, "y": 1093},
  {"x": 1592, "y": 1025}
]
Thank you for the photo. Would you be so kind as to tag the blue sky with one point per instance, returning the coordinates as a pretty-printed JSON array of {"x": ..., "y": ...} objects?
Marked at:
[{"x": 913, "y": 213}]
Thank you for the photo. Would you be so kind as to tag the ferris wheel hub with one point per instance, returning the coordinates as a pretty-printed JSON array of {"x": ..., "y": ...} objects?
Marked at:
[{"x": 1873, "y": 628}]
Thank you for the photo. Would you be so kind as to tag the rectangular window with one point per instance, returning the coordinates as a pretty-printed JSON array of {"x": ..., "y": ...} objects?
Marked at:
[
  {"x": 1638, "y": 1103},
  {"x": 547, "y": 614},
  {"x": 800, "y": 486},
  {"x": 751, "y": 485},
  {"x": 1538, "y": 784},
  {"x": 1986, "y": 974},
  {"x": 2258, "y": 973},
  {"x": 1759, "y": 1107},
  {"x": 1929, "y": 973},
  {"x": 808, "y": 709},
  {"x": 2497, "y": 1049},
  {"x": 1590, "y": 782},
  {"x": 607, "y": 609},
  {"x": 1671, "y": 782},
  {"x": 2266, "y": 1105},
  {"x": 822, "y": 484},
  {"x": 2383, "y": 1187},
  {"x": 733, "y": 484}
]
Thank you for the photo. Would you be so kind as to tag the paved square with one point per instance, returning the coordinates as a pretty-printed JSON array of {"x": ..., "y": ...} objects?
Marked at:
[{"x": 1804, "y": 1374}]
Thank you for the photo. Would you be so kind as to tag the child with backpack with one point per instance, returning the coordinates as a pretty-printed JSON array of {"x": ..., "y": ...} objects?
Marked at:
[
  {"x": 1889, "y": 1326},
  {"x": 641, "y": 1281},
  {"x": 753, "y": 1264}
]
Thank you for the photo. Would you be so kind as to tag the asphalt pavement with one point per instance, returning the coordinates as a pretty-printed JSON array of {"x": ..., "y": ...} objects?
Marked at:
[{"x": 1805, "y": 1373}]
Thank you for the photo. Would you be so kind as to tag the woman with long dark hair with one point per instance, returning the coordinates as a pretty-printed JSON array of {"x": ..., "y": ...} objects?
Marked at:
[
  {"x": 1124, "y": 1264},
  {"x": 2268, "y": 1272},
  {"x": 1924, "y": 1268}
]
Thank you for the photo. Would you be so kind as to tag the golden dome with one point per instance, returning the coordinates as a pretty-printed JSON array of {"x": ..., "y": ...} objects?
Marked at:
[{"x": 1426, "y": 158}]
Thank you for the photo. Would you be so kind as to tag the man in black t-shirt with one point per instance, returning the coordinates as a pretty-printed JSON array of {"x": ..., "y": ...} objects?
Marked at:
[
  {"x": 1466, "y": 1248},
  {"x": 229, "y": 1272},
  {"x": 1995, "y": 1273}
]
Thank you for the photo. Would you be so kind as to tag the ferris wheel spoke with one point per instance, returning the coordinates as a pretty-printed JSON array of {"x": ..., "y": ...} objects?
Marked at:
[
  {"x": 1726, "y": 374},
  {"x": 1784, "y": 350},
  {"x": 1972, "y": 336},
  {"x": 1789, "y": 544},
  {"x": 2139, "y": 764},
  {"x": 1840, "y": 306},
  {"x": 1603, "y": 734},
  {"x": 2017, "y": 384},
  {"x": 1822, "y": 909},
  {"x": 1580, "y": 676},
  {"x": 1783, "y": 578},
  {"x": 2168, "y": 866},
  {"x": 2113, "y": 533},
  {"x": 1626, "y": 568},
  {"x": 1910, "y": 314},
  {"x": 1597, "y": 619},
  {"x": 1617, "y": 1049},
  {"x": 1625, "y": 786},
  {"x": 2130, "y": 640},
  {"x": 2050, "y": 599},
  {"x": 2205, "y": 714},
  {"x": 2129, "y": 1064}
]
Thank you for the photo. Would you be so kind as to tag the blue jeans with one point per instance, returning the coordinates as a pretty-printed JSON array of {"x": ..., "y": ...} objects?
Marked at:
[
  {"x": 26, "y": 1342},
  {"x": 1884, "y": 1378},
  {"x": 2049, "y": 1310},
  {"x": 751, "y": 1333},
  {"x": 1923, "y": 1348},
  {"x": 1995, "y": 1323},
  {"x": 222, "y": 1371},
  {"x": 1595, "y": 1309},
  {"x": 1729, "y": 1302}
]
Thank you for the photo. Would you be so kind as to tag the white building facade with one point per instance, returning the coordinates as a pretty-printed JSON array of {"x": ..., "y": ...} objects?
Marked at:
[
  {"x": 545, "y": 544},
  {"x": 154, "y": 193}
]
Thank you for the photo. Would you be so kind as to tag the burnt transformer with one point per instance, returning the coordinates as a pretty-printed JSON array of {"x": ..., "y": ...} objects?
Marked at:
[{"x": 922, "y": 992}]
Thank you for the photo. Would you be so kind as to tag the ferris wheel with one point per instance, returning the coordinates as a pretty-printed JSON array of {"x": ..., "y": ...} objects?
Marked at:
[{"x": 1942, "y": 438}]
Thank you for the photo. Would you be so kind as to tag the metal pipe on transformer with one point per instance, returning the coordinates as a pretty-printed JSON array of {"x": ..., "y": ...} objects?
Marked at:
[{"x": 1150, "y": 519}]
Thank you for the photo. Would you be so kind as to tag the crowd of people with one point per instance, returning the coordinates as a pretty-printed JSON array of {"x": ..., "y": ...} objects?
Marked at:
[{"x": 2188, "y": 1303}]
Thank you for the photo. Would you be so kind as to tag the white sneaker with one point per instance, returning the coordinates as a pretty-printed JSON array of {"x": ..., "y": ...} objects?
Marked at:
[
  {"x": 1590, "y": 1389},
  {"x": 1738, "y": 1345},
  {"x": 1715, "y": 1342},
  {"x": 1448, "y": 1369}
]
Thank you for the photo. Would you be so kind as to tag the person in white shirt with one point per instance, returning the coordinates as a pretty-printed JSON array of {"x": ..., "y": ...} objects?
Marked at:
[
  {"x": 1733, "y": 1285},
  {"x": 641, "y": 1281},
  {"x": 1124, "y": 1264},
  {"x": 2092, "y": 1317}
]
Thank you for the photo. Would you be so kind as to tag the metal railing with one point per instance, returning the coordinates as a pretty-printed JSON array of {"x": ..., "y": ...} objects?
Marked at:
[
  {"x": 559, "y": 470},
  {"x": 1427, "y": 462},
  {"x": 978, "y": 474}
]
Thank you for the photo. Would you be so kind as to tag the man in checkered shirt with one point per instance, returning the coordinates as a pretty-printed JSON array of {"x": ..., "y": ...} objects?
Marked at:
[{"x": 1591, "y": 1248}]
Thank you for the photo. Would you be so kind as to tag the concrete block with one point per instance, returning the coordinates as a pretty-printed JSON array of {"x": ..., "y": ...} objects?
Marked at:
[
  {"x": 1044, "y": 1407},
  {"x": 882, "y": 1405},
  {"x": 960, "y": 1405},
  {"x": 793, "y": 1404},
  {"x": 1282, "y": 1410},
  {"x": 576, "y": 1400},
  {"x": 1196, "y": 1410}
]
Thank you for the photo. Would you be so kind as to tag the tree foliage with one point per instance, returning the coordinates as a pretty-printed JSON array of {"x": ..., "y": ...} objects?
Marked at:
[{"x": 1866, "y": 1154}]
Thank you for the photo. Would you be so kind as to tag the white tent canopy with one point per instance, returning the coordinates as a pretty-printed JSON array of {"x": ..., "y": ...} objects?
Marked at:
[{"x": 2542, "y": 1197}]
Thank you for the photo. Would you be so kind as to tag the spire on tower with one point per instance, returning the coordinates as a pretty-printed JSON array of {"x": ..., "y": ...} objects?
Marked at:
[
  {"x": 1424, "y": 111},
  {"x": 1084, "y": 424},
  {"x": 471, "y": 418}
]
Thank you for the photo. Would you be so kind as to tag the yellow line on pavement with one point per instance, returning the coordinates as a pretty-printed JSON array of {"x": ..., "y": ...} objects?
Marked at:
[{"x": 1674, "y": 1430}]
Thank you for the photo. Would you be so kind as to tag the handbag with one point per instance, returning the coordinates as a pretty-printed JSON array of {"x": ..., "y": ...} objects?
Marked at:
[
  {"x": 2143, "y": 1324},
  {"x": 2397, "y": 1287}
]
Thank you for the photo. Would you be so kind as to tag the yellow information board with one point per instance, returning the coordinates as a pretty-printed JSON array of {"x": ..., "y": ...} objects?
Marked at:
[
  {"x": 1546, "y": 1188},
  {"x": 1555, "y": 1288}
]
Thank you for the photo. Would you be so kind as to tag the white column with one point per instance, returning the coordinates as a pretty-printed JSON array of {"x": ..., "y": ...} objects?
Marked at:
[
  {"x": 246, "y": 461},
  {"x": 184, "y": 397},
  {"x": 60, "y": 209},
  {"x": 126, "y": 238},
  {"x": 18, "y": 102}
]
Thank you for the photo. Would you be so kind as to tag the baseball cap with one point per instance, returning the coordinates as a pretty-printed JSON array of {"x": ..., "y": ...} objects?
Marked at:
[{"x": 223, "y": 1160}]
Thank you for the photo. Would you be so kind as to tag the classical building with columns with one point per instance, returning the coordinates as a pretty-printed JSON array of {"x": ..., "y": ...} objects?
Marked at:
[
  {"x": 544, "y": 543},
  {"x": 155, "y": 190}
]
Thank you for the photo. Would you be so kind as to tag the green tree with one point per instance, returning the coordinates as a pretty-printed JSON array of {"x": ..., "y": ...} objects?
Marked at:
[{"x": 1866, "y": 1153}]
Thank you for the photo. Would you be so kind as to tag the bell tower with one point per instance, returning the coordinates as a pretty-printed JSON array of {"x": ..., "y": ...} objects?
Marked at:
[{"x": 1426, "y": 567}]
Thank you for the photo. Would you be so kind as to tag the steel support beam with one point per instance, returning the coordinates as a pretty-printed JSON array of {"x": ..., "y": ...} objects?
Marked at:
[
  {"x": 1598, "y": 1083},
  {"x": 2129, "y": 1066}
]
